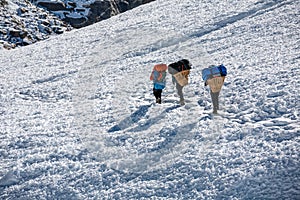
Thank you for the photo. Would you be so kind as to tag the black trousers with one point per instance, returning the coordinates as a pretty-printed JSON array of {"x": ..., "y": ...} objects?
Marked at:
[{"x": 157, "y": 94}]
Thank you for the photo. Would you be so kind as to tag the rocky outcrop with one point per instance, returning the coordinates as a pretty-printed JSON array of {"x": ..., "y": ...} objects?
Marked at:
[
  {"x": 52, "y": 5},
  {"x": 23, "y": 24},
  {"x": 80, "y": 13}
]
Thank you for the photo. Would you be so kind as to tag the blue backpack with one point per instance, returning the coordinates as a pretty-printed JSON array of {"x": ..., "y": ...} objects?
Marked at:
[
  {"x": 223, "y": 70},
  {"x": 213, "y": 71}
]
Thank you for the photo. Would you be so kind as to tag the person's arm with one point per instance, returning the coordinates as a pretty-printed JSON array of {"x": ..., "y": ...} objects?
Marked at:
[{"x": 151, "y": 76}]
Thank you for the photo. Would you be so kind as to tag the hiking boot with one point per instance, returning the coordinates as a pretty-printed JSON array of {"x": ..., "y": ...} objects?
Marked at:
[{"x": 158, "y": 100}]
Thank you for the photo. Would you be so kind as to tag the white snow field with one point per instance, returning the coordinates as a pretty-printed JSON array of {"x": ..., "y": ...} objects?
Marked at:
[{"x": 78, "y": 118}]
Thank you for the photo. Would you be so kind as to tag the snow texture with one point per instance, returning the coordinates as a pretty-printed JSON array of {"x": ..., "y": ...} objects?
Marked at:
[{"x": 78, "y": 118}]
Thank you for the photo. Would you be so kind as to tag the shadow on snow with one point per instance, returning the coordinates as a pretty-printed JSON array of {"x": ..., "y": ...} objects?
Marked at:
[
  {"x": 133, "y": 118},
  {"x": 153, "y": 120},
  {"x": 137, "y": 116}
]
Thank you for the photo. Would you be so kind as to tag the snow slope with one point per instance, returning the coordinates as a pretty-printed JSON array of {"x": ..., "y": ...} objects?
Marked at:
[{"x": 78, "y": 119}]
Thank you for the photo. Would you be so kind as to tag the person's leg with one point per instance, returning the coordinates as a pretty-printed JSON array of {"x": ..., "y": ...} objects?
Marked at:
[
  {"x": 157, "y": 94},
  {"x": 180, "y": 93},
  {"x": 215, "y": 100}
]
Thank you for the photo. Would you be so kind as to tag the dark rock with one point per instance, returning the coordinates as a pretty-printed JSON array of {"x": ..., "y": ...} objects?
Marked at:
[
  {"x": 23, "y": 34},
  {"x": 100, "y": 10},
  {"x": 136, "y": 3},
  {"x": 22, "y": 10},
  {"x": 14, "y": 32},
  {"x": 3, "y": 3},
  {"x": 57, "y": 29},
  {"x": 124, "y": 6},
  {"x": 29, "y": 23},
  {"x": 76, "y": 22},
  {"x": 45, "y": 22},
  {"x": 71, "y": 4},
  {"x": 3, "y": 31},
  {"x": 44, "y": 29},
  {"x": 52, "y": 5}
]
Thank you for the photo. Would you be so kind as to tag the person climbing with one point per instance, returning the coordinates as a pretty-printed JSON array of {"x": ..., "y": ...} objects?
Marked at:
[
  {"x": 180, "y": 71},
  {"x": 214, "y": 77},
  {"x": 158, "y": 76}
]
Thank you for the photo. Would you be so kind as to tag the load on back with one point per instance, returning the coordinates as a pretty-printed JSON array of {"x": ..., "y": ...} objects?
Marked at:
[
  {"x": 214, "y": 77},
  {"x": 181, "y": 71}
]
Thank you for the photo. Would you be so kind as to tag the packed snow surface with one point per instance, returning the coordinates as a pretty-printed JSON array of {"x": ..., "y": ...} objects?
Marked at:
[{"x": 78, "y": 118}]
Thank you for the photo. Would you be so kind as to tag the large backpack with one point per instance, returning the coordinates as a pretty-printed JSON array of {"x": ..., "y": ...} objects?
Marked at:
[
  {"x": 223, "y": 70},
  {"x": 213, "y": 71},
  {"x": 182, "y": 71},
  {"x": 158, "y": 76},
  {"x": 216, "y": 83},
  {"x": 181, "y": 65}
]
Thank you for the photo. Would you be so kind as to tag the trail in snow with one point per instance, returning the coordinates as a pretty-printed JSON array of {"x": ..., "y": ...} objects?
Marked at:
[{"x": 78, "y": 118}]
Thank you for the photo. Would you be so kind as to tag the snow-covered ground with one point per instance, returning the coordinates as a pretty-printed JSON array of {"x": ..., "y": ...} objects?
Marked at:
[{"x": 78, "y": 118}]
